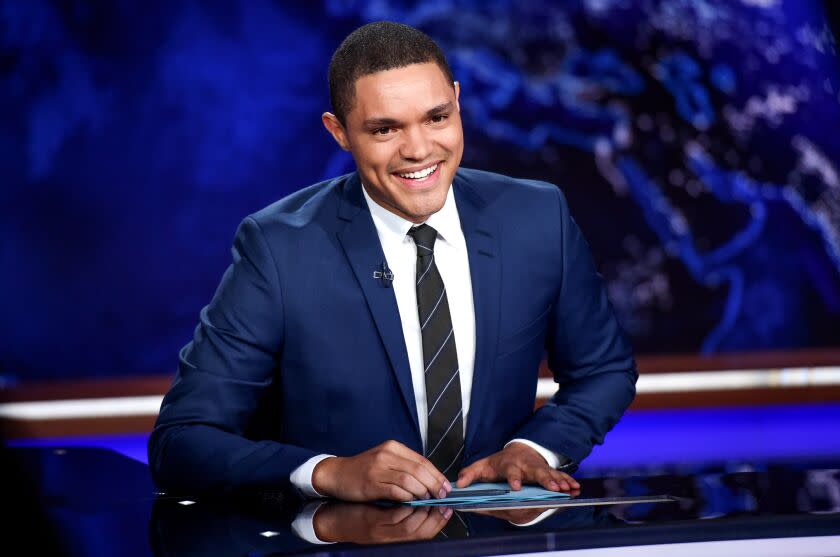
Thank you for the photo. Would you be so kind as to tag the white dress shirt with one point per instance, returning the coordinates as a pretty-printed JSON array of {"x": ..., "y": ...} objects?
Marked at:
[{"x": 453, "y": 265}]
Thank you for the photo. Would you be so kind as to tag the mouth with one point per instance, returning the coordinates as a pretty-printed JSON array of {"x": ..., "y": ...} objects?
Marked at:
[{"x": 422, "y": 178}]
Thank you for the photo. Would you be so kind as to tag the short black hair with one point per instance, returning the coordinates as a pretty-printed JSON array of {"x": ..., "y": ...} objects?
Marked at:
[{"x": 376, "y": 47}]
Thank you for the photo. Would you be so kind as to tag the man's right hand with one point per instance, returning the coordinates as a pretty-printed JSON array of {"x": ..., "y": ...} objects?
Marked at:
[{"x": 388, "y": 471}]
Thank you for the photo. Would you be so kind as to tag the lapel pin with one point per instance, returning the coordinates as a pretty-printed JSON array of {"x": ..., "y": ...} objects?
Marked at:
[{"x": 384, "y": 274}]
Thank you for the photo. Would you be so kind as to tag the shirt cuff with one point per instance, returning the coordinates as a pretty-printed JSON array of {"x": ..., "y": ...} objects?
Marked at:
[
  {"x": 553, "y": 459},
  {"x": 304, "y": 523},
  {"x": 301, "y": 477}
]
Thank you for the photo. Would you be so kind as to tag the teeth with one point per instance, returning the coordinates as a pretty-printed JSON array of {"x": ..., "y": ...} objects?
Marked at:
[{"x": 420, "y": 173}]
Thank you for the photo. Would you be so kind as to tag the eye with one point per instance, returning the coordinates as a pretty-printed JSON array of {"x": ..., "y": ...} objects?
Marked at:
[
  {"x": 438, "y": 118},
  {"x": 382, "y": 131}
]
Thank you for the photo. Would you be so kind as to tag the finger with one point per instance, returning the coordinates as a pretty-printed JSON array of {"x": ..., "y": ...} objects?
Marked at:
[
  {"x": 393, "y": 492},
  {"x": 437, "y": 521},
  {"x": 433, "y": 524},
  {"x": 414, "y": 520},
  {"x": 423, "y": 470},
  {"x": 543, "y": 476},
  {"x": 514, "y": 476},
  {"x": 401, "y": 513},
  {"x": 432, "y": 485},
  {"x": 565, "y": 481},
  {"x": 397, "y": 457},
  {"x": 405, "y": 481},
  {"x": 573, "y": 483}
]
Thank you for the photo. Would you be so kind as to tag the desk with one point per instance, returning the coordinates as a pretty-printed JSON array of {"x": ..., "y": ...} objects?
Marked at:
[{"x": 103, "y": 503}]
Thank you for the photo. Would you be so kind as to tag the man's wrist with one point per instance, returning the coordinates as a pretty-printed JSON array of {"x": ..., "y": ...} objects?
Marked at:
[
  {"x": 553, "y": 459},
  {"x": 301, "y": 477},
  {"x": 323, "y": 476}
]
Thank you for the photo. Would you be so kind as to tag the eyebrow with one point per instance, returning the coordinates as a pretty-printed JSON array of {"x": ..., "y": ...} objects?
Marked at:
[{"x": 442, "y": 108}]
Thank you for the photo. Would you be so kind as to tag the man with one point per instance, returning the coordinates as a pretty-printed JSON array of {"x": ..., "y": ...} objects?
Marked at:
[{"x": 378, "y": 335}]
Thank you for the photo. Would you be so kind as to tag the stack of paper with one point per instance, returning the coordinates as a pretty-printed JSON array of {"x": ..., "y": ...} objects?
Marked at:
[{"x": 491, "y": 492}]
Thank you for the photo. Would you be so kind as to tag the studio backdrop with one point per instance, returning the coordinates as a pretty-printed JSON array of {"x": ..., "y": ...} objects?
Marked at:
[{"x": 697, "y": 141}]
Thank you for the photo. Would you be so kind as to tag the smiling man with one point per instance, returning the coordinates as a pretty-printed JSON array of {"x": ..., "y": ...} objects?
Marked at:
[
  {"x": 378, "y": 335},
  {"x": 408, "y": 175}
]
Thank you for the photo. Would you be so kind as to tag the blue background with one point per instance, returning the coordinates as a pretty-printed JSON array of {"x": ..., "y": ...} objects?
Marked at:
[{"x": 696, "y": 141}]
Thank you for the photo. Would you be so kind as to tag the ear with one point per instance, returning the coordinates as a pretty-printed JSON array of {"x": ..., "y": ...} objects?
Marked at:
[
  {"x": 336, "y": 129},
  {"x": 457, "y": 94}
]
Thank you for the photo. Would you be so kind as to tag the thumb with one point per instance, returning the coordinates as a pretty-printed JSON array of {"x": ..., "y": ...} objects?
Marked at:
[{"x": 469, "y": 474}]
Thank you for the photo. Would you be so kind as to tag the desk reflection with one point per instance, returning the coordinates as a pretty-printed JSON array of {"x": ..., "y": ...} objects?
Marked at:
[
  {"x": 370, "y": 524},
  {"x": 99, "y": 502},
  {"x": 235, "y": 527}
]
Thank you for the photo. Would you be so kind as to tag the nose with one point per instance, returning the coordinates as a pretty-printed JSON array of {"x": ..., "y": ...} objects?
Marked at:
[{"x": 416, "y": 145}]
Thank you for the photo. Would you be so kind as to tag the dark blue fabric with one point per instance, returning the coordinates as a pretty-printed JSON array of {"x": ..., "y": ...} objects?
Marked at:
[{"x": 267, "y": 382}]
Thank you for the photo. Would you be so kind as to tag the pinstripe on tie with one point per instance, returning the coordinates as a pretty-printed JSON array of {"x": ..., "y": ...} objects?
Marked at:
[{"x": 445, "y": 438}]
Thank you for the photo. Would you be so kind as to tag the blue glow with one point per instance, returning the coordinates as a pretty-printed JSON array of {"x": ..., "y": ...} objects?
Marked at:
[
  {"x": 696, "y": 144},
  {"x": 745, "y": 434},
  {"x": 643, "y": 437}
]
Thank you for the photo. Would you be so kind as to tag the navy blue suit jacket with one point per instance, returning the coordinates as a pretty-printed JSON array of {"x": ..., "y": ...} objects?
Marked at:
[{"x": 301, "y": 350}]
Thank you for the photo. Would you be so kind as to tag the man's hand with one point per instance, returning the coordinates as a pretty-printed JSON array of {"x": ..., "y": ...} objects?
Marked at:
[
  {"x": 388, "y": 471},
  {"x": 517, "y": 463},
  {"x": 367, "y": 524}
]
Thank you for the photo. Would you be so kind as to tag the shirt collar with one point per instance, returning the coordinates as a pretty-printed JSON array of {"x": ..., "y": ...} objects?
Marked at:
[{"x": 394, "y": 228}]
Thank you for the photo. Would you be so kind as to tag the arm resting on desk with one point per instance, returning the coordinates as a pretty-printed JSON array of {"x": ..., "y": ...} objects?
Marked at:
[
  {"x": 589, "y": 354},
  {"x": 199, "y": 442}
]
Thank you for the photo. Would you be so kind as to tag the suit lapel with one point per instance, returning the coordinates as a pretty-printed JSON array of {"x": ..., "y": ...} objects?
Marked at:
[
  {"x": 480, "y": 233},
  {"x": 364, "y": 252}
]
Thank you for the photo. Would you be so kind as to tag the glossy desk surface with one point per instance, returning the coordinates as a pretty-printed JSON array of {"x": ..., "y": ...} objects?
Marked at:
[{"x": 99, "y": 502}]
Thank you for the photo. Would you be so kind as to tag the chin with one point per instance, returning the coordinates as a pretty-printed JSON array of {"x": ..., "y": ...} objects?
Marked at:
[{"x": 428, "y": 209}]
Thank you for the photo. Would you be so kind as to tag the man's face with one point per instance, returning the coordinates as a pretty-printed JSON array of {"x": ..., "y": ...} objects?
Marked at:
[{"x": 404, "y": 131}]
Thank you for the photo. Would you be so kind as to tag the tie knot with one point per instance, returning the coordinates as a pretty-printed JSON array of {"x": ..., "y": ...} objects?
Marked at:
[{"x": 424, "y": 236}]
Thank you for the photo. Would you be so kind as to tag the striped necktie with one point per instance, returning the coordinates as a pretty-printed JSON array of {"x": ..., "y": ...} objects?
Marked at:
[{"x": 445, "y": 438}]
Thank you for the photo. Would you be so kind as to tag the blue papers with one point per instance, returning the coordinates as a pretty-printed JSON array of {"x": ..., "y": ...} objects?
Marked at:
[{"x": 527, "y": 493}]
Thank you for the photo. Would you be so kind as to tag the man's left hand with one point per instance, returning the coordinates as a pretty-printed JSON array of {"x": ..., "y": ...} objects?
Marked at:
[{"x": 517, "y": 463}]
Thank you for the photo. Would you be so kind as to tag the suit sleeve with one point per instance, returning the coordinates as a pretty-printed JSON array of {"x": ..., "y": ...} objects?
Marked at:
[
  {"x": 199, "y": 442},
  {"x": 588, "y": 353}
]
